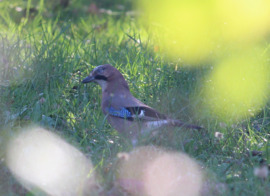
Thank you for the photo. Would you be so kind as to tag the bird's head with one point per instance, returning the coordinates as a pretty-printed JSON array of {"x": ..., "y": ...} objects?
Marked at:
[{"x": 104, "y": 75}]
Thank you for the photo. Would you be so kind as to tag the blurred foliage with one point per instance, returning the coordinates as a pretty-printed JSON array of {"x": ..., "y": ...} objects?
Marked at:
[
  {"x": 226, "y": 34},
  {"x": 67, "y": 9}
]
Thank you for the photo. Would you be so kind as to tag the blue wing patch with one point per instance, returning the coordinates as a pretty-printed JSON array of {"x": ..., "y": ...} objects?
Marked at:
[{"x": 122, "y": 113}]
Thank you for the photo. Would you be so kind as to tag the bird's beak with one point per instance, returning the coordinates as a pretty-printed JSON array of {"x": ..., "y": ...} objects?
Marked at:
[{"x": 88, "y": 79}]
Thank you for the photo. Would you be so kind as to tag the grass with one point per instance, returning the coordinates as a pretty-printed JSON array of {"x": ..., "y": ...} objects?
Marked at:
[{"x": 43, "y": 62}]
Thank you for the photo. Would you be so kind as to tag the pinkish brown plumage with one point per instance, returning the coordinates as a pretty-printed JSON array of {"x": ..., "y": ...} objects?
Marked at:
[{"x": 124, "y": 112}]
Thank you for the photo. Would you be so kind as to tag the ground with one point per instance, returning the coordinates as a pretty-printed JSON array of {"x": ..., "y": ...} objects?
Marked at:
[{"x": 43, "y": 59}]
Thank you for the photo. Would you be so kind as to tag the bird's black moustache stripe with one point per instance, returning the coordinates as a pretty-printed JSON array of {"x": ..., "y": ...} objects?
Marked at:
[{"x": 100, "y": 77}]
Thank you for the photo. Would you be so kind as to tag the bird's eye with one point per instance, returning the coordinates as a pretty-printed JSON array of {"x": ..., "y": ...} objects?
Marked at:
[{"x": 101, "y": 70}]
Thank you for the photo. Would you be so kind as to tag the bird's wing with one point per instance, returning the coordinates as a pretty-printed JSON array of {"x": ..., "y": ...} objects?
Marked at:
[
  {"x": 128, "y": 107},
  {"x": 136, "y": 112}
]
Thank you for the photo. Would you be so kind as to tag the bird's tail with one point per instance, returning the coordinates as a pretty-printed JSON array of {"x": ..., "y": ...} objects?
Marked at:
[{"x": 178, "y": 123}]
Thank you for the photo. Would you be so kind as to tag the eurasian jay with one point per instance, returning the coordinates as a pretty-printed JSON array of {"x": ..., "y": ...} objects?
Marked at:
[{"x": 125, "y": 113}]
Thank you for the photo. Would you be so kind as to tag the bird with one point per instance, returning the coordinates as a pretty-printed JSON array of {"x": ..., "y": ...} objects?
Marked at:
[{"x": 125, "y": 113}]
